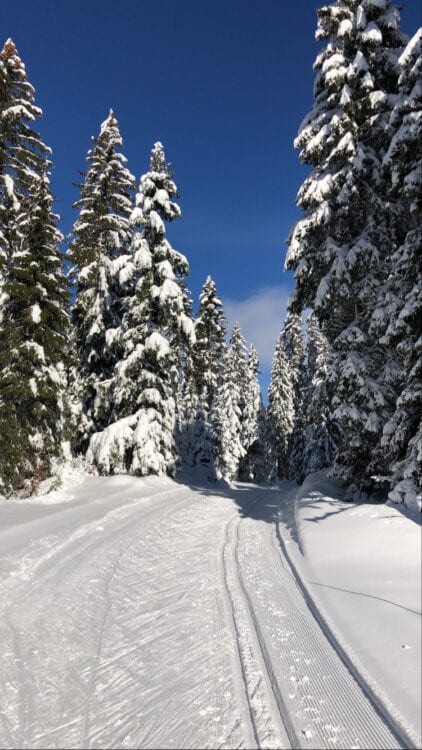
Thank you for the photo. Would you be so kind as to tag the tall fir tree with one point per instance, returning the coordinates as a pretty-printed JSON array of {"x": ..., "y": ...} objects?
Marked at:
[
  {"x": 320, "y": 432},
  {"x": 297, "y": 438},
  {"x": 210, "y": 342},
  {"x": 33, "y": 299},
  {"x": 293, "y": 345},
  {"x": 338, "y": 249},
  {"x": 252, "y": 428},
  {"x": 229, "y": 407},
  {"x": 400, "y": 321},
  {"x": 98, "y": 250},
  {"x": 280, "y": 412},
  {"x": 141, "y": 440},
  {"x": 203, "y": 377},
  {"x": 294, "y": 348}
]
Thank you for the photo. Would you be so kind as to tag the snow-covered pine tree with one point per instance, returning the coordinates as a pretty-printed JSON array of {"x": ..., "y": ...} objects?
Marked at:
[
  {"x": 210, "y": 346},
  {"x": 399, "y": 314},
  {"x": 320, "y": 432},
  {"x": 280, "y": 412},
  {"x": 98, "y": 250},
  {"x": 338, "y": 248},
  {"x": 229, "y": 407},
  {"x": 22, "y": 152},
  {"x": 34, "y": 299},
  {"x": 260, "y": 457},
  {"x": 297, "y": 438},
  {"x": 205, "y": 377},
  {"x": 142, "y": 438},
  {"x": 293, "y": 345},
  {"x": 251, "y": 412},
  {"x": 187, "y": 402},
  {"x": 294, "y": 349}
]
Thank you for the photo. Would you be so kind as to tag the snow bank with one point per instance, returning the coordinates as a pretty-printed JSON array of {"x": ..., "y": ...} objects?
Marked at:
[{"x": 362, "y": 565}]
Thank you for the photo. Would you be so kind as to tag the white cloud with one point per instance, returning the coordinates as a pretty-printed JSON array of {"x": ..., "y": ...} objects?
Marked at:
[{"x": 260, "y": 317}]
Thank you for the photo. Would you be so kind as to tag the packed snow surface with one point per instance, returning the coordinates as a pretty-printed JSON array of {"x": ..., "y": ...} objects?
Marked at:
[{"x": 155, "y": 614}]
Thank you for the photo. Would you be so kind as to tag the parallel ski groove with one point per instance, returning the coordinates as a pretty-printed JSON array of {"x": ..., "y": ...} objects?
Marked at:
[{"x": 266, "y": 707}]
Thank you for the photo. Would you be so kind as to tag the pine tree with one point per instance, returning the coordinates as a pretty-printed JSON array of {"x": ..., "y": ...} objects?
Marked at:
[
  {"x": 320, "y": 433},
  {"x": 338, "y": 248},
  {"x": 210, "y": 342},
  {"x": 229, "y": 407},
  {"x": 33, "y": 306},
  {"x": 399, "y": 318},
  {"x": 22, "y": 152},
  {"x": 260, "y": 468},
  {"x": 142, "y": 440},
  {"x": 293, "y": 345},
  {"x": 251, "y": 412},
  {"x": 297, "y": 439},
  {"x": 203, "y": 375},
  {"x": 280, "y": 412},
  {"x": 99, "y": 251}
]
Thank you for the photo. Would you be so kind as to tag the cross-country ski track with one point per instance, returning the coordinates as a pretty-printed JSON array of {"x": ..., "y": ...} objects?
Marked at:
[{"x": 162, "y": 615}]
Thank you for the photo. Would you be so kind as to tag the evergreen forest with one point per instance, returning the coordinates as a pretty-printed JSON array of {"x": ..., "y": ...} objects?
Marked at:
[{"x": 104, "y": 356}]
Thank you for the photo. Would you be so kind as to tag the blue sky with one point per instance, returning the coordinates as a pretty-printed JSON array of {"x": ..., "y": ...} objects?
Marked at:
[{"x": 224, "y": 85}]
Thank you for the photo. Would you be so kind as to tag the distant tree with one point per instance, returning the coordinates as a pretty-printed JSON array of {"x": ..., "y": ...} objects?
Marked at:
[
  {"x": 210, "y": 342},
  {"x": 320, "y": 432},
  {"x": 99, "y": 252},
  {"x": 280, "y": 412},
  {"x": 251, "y": 415},
  {"x": 229, "y": 407},
  {"x": 202, "y": 378}
]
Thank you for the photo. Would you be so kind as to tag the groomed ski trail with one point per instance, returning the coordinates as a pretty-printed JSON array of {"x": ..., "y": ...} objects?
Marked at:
[{"x": 169, "y": 616}]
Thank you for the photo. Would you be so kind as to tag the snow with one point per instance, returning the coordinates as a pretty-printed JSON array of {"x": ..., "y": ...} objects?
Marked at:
[
  {"x": 157, "y": 343},
  {"x": 372, "y": 33},
  {"x": 151, "y": 613},
  {"x": 36, "y": 313},
  {"x": 411, "y": 49},
  {"x": 361, "y": 563},
  {"x": 157, "y": 223}
]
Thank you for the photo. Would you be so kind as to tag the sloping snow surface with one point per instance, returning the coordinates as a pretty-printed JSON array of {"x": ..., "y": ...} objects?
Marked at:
[{"x": 152, "y": 614}]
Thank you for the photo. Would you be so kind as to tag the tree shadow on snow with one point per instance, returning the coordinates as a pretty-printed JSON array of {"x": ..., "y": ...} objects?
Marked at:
[{"x": 271, "y": 504}]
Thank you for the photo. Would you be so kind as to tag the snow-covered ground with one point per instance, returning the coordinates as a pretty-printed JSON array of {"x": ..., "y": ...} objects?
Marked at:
[{"x": 155, "y": 614}]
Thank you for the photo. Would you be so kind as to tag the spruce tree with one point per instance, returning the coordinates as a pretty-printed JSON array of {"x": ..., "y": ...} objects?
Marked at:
[
  {"x": 399, "y": 315},
  {"x": 297, "y": 438},
  {"x": 99, "y": 250},
  {"x": 338, "y": 248},
  {"x": 33, "y": 305},
  {"x": 320, "y": 433},
  {"x": 230, "y": 406},
  {"x": 203, "y": 376},
  {"x": 293, "y": 345},
  {"x": 142, "y": 438},
  {"x": 210, "y": 346},
  {"x": 280, "y": 412},
  {"x": 22, "y": 152},
  {"x": 251, "y": 412}
]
